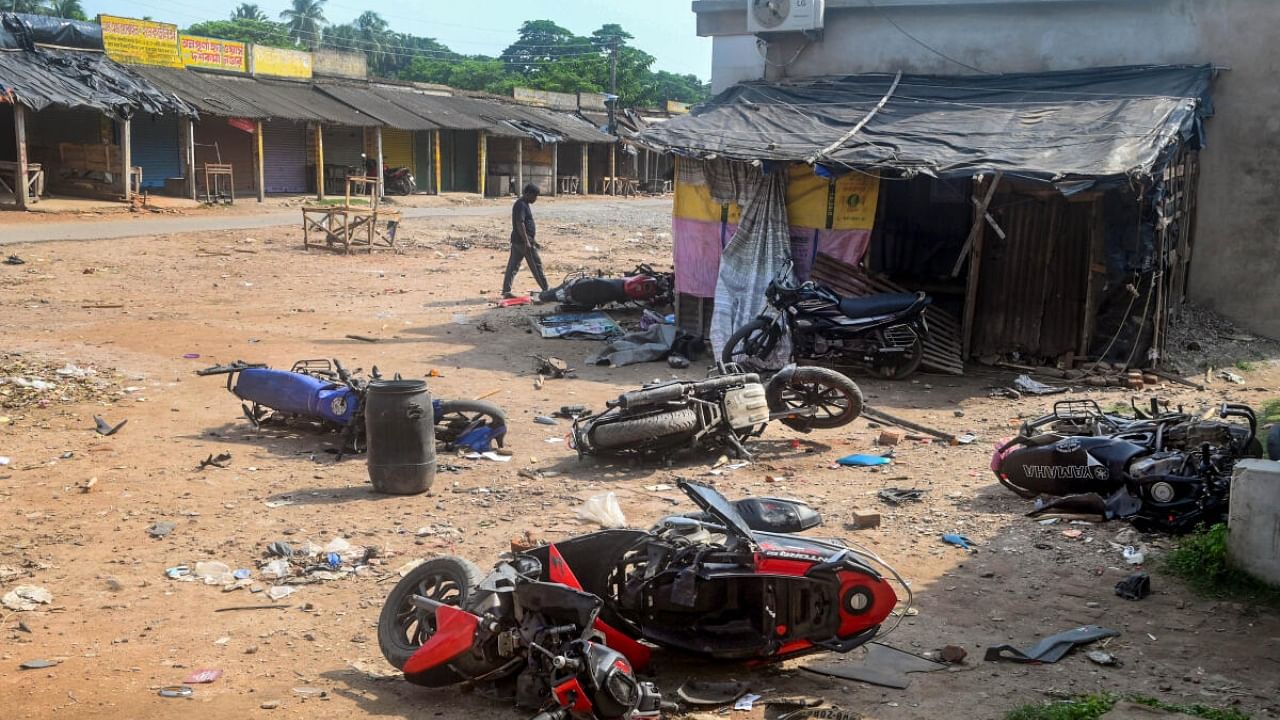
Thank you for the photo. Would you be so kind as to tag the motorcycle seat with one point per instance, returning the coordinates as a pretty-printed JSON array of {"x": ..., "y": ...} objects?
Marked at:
[{"x": 872, "y": 305}]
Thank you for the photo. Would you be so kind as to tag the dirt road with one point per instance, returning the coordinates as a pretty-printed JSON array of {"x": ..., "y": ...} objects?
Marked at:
[{"x": 137, "y": 309}]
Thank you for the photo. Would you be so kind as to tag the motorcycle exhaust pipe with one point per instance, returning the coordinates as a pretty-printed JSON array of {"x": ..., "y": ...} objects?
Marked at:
[
  {"x": 425, "y": 603},
  {"x": 651, "y": 396}
]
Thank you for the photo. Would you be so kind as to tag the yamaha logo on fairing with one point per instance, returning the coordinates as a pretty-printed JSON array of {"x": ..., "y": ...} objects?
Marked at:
[{"x": 1066, "y": 472}]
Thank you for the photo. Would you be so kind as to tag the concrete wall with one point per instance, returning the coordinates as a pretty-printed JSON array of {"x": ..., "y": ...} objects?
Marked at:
[{"x": 1236, "y": 231}]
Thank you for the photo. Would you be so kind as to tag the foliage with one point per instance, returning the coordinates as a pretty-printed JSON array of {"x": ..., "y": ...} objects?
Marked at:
[
  {"x": 1091, "y": 707},
  {"x": 68, "y": 9},
  {"x": 1244, "y": 365},
  {"x": 306, "y": 21},
  {"x": 1201, "y": 560},
  {"x": 248, "y": 11},
  {"x": 259, "y": 32}
]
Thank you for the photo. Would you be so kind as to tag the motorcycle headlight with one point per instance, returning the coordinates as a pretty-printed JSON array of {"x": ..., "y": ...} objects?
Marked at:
[{"x": 1162, "y": 492}]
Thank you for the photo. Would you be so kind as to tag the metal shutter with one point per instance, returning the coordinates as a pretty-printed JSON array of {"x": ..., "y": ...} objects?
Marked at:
[
  {"x": 155, "y": 148},
  {"x": 397, "y": 149},
  {"x": 284, "y": 154},
  {"x": 344, "y": 146}
]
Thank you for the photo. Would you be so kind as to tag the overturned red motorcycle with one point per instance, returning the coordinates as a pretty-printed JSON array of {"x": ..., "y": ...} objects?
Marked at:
[
  {"x": 642, "y": 286},
  {"x": 563, "y": 628}
]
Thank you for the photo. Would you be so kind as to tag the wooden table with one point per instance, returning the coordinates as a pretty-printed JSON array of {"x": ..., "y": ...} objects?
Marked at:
[
  {"x": 348, "y": 225},
  {"x": 617, "y": 186},
  {"x": 34, "y": 182},
  {"x": 213, "y": 175}
]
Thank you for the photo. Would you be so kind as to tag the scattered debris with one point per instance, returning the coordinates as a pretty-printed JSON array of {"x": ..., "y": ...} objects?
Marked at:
[
  {"x": 1099, "y": 657},
  {"x": 362, "y": 338},
  {"x": 221, "y": 460},
  {"x": 545, "y": 420},
  {"x": 889, "y": 437},
  {"x": 176, "y": 691},
  {"x": 551, "y": 367},
  {"x": 746, "y": 701},
  {"x": 1135, "y": 587},
  {"x": 105, "y": 428},
  {"x": 860, "y": 460},
  {"x": 881, "y": 664},
  {"x": 1231, "y": 377},
  {"x": 161, "y": 529},
  {"x": 896, "y": 496},
  {"x": 959, "y": 541},
  {"x": 38, "y": 664},
  {"x": 201, "y": 677},
  {"x": 953, "y": 654},
  {"x": 26, "y": 597},
  {"x": 14, "y": 260},
  {"x": 709, "y": 693},
  {"x": 237, "y": 608},
  {"x": 884, "y": 417},
  {"x": 862, "y": 520},
  {"x": 603, "y": 510},
  {"x": 1053, "y": 648},
  {"x": 1024, "y": 384}
]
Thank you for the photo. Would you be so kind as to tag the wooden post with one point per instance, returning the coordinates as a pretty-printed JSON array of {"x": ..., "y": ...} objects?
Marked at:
[
  {"x": 260, "y": 162},
  {"x": 435, "y": 160},
  {"x": 319, "y": 161},
  {"x": 382, "y": 171},
  {"x": 555, "y": 167},
  {"x": 20, "y": 137},
  {"x": 519, "y": 166},
  {"x": 613, "y": 169},
  {"x": 482, "y": 159},
  {"x": 189, "y": 155},
  {"x": 976, "y": 235},
  {"x": 126, "y": 157},
  {"x": 584, "y": 185}
]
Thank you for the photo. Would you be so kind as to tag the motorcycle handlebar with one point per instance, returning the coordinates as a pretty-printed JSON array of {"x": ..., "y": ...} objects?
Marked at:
[{"x": 1241, "y": 411}]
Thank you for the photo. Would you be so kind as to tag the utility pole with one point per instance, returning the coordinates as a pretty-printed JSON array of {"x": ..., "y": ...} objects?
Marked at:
[{"x": 613, "y": 116}]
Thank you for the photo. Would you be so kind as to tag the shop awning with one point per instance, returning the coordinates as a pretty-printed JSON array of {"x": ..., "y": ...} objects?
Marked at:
[
  {"x": 1094, "y": 123},
  {"x": 44, "y": 77},
  {"x": 258, "y": 98},
  {"x": 203, "y": 91},
  {"x": 438, "y": 109},
  {"x": 372, "y": 103}
]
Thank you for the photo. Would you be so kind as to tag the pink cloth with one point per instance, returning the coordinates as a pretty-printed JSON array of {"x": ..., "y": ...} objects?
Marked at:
[{"x": 698, "y": 244}]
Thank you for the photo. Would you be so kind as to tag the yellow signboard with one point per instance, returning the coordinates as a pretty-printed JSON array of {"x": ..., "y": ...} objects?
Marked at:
[
  {"x": 846, "y": 203},
  {"x": 140, "y": 42},
  {"x": 203, "y": 52},
  {"x": 279, "y": 62},
  {"x": 676, "y": 107}
]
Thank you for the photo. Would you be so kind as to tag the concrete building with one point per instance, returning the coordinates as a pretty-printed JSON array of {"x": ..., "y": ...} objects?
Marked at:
[{"x": 1235, "y": 265}]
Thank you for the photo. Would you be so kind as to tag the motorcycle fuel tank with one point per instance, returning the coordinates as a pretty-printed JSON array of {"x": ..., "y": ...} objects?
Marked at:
[
  {"x": 1070, "y": 465},
  {"x": 297, "y": 394}
]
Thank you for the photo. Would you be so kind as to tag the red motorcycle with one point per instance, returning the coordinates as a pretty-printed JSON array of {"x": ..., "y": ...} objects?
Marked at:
[
  {"x": 643, "y": 285},
  {"x": 563, "y": 628}
]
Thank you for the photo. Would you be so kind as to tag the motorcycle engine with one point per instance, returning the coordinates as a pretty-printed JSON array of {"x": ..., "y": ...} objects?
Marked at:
[
  {"x": 1167, "y": 463},
  {"x": 746, "y": 406}
]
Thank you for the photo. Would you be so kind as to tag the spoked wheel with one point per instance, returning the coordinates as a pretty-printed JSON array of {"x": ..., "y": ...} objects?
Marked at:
[
  {"x": 834, "y": 399},
  {"x": 749, "y": 345},
  {"x": 403, "y": 628},
  {"x": 458, "y": 417}
]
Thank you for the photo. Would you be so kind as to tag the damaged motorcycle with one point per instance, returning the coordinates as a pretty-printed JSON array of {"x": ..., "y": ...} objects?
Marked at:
[
  {"x": 1164, "y": 471},
  {"x": 558, "y": 629},
  {"x": 883, "y": 334},
  {"x": 323, "y": 393},
  {"x": 725, "y": 410},
  {"x": 643, "y": 286}
]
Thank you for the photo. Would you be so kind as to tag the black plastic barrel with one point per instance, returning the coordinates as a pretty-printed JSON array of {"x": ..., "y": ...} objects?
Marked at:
[{"x": 400, "y": 432}]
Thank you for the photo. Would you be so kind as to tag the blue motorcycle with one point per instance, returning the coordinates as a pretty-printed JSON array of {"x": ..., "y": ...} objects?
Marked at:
[{"x": 324, "y": 394}]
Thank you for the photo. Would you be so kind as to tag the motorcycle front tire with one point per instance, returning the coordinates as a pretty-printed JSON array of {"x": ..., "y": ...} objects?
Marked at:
[
  {"x": 817, "y": 378},
  {"x": 619, "y": 435},
  {"x": 433, "y": 575},
  {"x": 740, "y": 337},
  {"x": 460, "y": 409}
]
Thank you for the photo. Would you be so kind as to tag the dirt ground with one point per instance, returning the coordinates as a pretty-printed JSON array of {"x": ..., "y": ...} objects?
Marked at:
[{"x": 120, "y": 630}]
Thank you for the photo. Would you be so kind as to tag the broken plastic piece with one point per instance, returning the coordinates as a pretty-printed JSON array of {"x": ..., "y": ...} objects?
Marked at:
[
  {"x": 604, "y": 510},
  {"x": 863, "y": 460},
  {"x": 1135, "y": 587},
  {"x": 1053, "y": 648},
  {"x": 708, "y": 692},
  {"x": 105, "y": 428},
  {"x": 882, "y": 665},
  {"x": 894, "y": 496},
  {"x": 176, "y": 691},
  {"x": 959, "y": 541}
]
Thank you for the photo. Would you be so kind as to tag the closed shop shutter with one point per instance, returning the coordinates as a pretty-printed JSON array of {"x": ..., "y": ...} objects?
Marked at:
[
  {"x": 218, "y": 142},
  {"x": 397, "y": 148},
  {"x": 284, "y": 155},
  {"x": 344, "y": 146},
  {"x": 155, "y": 148},
  {"x": 425, "y": 156}
]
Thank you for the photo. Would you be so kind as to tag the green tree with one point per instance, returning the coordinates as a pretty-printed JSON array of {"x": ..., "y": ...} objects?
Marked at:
[
  {"x": 69, "y": 9},
  {"x": 259, "y": 32},
  {"x": 248, "y": 11},
  {"x": 31, "y": 7},
  {"x": 542, "y": 42},
  {"x": 306, "y": 21},
  {"x": 670, "y": 86}
]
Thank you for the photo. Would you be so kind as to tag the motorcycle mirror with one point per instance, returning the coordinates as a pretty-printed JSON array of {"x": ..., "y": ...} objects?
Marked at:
[{"x": 777, "y": 515}]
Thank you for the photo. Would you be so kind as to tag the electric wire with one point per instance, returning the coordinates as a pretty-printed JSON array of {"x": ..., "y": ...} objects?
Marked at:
[{"x": 921, "y": 43}]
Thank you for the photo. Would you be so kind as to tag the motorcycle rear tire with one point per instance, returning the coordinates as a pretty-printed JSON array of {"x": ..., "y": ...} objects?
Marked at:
[
  {"x": 457, "y": 572},
  {"x": 909, "y": 367},
  {"x": 618, "y": 435},
  {"x": 739, "y": 337},
  {"x": 497, "y": 418},
  {"x": 816, "y": 376}
]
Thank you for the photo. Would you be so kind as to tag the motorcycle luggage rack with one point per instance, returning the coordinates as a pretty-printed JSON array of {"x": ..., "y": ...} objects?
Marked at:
[
  {"x": 1076, "y": 409},
  {"x": 321, "y": 367}
]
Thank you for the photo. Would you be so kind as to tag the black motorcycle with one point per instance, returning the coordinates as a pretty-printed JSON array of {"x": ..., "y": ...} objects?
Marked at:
[
  {"x": 1167, "y": 473},
  {"x": 881, "y": 333},
  {"x": 643, "y": 286},
  {"x": 724, "y": 410}
]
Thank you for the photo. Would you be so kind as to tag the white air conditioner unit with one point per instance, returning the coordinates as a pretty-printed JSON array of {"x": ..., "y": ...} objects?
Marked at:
[{"x": 777, "y": 16}]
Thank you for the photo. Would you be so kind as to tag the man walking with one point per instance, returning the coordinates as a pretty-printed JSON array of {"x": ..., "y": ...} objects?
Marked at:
[{"x": 524, "y": 245}]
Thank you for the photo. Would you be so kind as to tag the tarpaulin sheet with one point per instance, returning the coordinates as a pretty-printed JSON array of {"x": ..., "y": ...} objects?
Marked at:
[
  {"x": 80, "y": 79},
  {"x": 1094, "y": 123},
  {"x": 78, "y": 34}
]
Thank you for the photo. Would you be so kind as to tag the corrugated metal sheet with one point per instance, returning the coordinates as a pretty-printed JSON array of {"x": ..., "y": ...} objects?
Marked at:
[
  {"x": 155, "y": 148},
  {"x": 217, "y": 141},
  {"x": 370, "y": 102},
  {"x": 202, "y": 91},
  {"x": 1032, "y": 284},
  {"x": 258, "y": 98},
  {"x": 441, "y": 110},
  {"x": 397, "y": 149},
  {"x": 284, "y": 156}
]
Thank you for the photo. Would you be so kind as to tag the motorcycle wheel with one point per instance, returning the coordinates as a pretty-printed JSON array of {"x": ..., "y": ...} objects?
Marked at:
[
  {"x": 618, "y": 435},
  {"x": 402, "y": 628},
  {"x": 459, "y": 416},
  {"x": 1273, "y": 443},
  {"x": 837, "y": 399},
  {"x": 914, "y": 357},
  {"x": 748, "y": 344}
]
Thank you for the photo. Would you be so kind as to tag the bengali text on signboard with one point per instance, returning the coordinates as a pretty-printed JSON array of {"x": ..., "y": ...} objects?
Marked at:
[
  {"x": 140, "y": 42},
  {"x": 203, "y": 52},
  {"x": 279, "y": 62}
]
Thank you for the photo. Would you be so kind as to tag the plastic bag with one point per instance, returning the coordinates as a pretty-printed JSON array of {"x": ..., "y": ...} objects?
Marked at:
[
  {"x": 213, "y": 572},
  {"x": 275, "y": 569},
  {"x": 603, "y": 510}
]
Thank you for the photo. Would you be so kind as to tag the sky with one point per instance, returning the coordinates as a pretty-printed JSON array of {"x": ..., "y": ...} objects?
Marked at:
[{"x": 662, "y": 28}]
